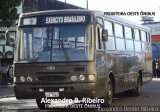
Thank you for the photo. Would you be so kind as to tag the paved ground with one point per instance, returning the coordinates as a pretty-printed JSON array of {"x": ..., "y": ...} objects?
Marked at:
[
  {"x": 6, "y": 91},
  {"x": 150, "y": 95}
]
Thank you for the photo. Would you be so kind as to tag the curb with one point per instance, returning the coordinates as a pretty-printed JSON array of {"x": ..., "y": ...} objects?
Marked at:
[
  {"x": 3, "y": 86},
  {"x": 8, "y": 96},
  {"x": 6, "y": 85}
]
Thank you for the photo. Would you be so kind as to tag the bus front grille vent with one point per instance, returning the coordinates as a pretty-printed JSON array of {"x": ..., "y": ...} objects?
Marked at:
[{"x": 51, "y": 78}]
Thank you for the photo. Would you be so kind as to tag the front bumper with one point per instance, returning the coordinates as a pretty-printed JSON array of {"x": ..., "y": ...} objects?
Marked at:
[{"x": 26, "y": 91}]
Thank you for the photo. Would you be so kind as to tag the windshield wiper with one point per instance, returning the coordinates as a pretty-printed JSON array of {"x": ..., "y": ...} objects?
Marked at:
[
  {"x": 63, "y": 49},
  {"x": 40, "y": 51}
]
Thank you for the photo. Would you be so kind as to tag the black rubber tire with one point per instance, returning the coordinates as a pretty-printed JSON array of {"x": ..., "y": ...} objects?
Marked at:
[
  {"x": 39, "y": 104},
  {"x": 109, "y": 94},
  {"x": 137, "y": 90}
]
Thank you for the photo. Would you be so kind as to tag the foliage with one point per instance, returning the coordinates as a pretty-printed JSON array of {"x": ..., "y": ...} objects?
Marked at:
[{"x": 8, "y": 12}]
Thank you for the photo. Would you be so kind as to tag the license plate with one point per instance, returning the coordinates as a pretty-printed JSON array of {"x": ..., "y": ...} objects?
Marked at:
[{"x": 51, "y": 94}]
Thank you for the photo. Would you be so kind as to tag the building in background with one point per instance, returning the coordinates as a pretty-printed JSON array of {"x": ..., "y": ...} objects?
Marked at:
[
  {"x": 155, "y": 35},
  {"x": 155, "y": 39},
  {"x": 6, "y": 51}
]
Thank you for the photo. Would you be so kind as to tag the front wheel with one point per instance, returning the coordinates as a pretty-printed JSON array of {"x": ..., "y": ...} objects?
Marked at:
[
  {"x": 39, "y": 104},
  {"x": 108, "y": 94}
]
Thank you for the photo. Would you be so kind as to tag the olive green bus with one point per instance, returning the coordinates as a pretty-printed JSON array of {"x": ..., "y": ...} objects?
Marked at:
[{"x": 80, "y": 53}]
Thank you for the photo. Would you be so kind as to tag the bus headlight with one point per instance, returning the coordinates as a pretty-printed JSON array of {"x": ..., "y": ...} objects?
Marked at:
[
  {"x": 74, "y": 78},
  {"x": 22, "y": 79},
  {"x": 14, "y": 79},
  {"x": 82, "y": 77},
  {"x": 91, "y": 77},
  {"x": 29, "y": 79}
]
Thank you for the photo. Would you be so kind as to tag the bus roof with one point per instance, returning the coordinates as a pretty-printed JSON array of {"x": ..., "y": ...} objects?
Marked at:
[
  {"x": 50, "y": 12},
  {"x": 90, "y": 12}
]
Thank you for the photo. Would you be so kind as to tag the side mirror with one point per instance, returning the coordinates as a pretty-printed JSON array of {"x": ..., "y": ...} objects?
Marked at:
[
  {"x": 104, "y": 35},
  {"x": 7, "y": 37}
]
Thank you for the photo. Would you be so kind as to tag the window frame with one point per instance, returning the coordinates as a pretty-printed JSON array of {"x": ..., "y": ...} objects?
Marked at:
[
  {"x": 112, "y": 27},
  {"x": 131, "y": 35},
  {"x": 138, "y": 34},
  {"x": 143, "y": 39},
  {"x": 122, "y": 30}
]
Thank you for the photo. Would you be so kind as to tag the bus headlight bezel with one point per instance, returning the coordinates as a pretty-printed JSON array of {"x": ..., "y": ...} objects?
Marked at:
[
  {"x": 82, "y": 77},
  {"x": 74, "y": 78},
  {"x": 22, "y": 79},
  {"x": 29, "y": 79}
]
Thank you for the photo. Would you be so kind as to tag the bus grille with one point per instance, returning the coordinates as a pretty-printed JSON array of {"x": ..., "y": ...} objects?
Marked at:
[{"x": 51, "y": 76}]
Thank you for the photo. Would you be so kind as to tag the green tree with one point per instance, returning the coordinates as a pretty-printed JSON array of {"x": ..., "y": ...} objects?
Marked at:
[{"x": 8, "y": 12}]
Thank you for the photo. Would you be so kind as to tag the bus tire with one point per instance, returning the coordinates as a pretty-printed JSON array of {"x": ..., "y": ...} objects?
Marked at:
[
  {"x": 39, "y": 104},
  {"x": 108, "y": 94},
  {"x": 137, "y": 90}
]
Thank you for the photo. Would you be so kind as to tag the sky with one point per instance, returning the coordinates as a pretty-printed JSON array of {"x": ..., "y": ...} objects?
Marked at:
[{"x": 151, "y": 6}]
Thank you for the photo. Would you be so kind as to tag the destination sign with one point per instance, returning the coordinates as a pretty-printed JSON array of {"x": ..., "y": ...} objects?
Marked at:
[
  {"x": 65, "y": 19},
  {"x": 56, "y": 19}
]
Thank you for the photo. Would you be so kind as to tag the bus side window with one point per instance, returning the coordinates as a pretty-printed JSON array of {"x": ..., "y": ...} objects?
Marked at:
[
  {"x": 143, "y": 36},
  {"x": 137, "y": 43},
  {"x": 129, "y": 38},
  {"x": 110, "y": 44},
  {"x": 136, "y": 34},
  {"x": 118, "y": 30},
  {"x": 109, "y": 26},
  {"x": 119, "y": 38},
  {"x": 144, "y": 41}
]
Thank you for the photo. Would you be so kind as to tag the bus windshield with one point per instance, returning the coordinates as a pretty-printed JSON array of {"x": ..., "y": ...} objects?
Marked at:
[{"x": 54, "y": 43}]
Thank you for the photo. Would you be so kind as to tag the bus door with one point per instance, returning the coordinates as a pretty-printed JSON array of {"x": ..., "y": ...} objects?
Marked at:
[
  {"x": 100, "y": 56},
  {"x": 100, "y": 63},
  {"x": 100, "y": 51}
]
